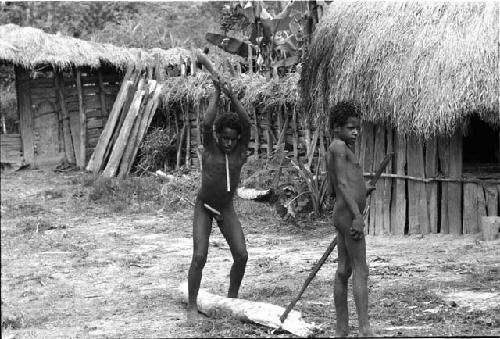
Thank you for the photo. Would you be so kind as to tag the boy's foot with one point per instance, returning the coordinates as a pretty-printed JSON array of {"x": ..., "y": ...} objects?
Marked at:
[
  {"x": 193, "y": 314},
  {"x": 366, "y": 333}
]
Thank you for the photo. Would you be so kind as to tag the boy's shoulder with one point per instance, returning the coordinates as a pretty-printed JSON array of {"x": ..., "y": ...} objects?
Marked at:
[{"x": 337, "y": 145}]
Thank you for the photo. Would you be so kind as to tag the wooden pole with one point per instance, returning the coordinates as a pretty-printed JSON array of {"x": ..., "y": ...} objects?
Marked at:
[
  {"x": 398, "y": 203},
  {"x": 83, "y": 121},
  {"x": 257, "y": 130},
  {"x": 431, "y": 170},
  {"x": 102, "y": 95},
  {"x": 295, "y": 135},
  {"x": 250, "y": 58},
  {"x": 187, "y": 160}
]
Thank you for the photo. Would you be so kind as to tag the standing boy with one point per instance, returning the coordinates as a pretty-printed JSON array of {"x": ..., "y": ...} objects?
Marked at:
[
  {"x": 222, "y": 159},
  {"x": 346, "y": 179}
]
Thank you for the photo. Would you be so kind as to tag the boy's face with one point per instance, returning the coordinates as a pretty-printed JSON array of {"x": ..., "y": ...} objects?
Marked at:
[
  {"x": 227, "y": 139},
  {"x": 349, "y": 132}
]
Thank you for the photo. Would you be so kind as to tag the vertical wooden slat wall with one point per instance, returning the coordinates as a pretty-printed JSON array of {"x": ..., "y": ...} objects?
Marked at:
[{"x": 25, "y": 114}]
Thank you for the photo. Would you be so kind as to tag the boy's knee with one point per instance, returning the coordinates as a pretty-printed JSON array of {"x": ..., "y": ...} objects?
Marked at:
[
  {"x": 362, "y": 272},
  {"x": 343, "y": 274},
  {"x": 241, "y": 257},
  {"x": 199, "y": 260}
]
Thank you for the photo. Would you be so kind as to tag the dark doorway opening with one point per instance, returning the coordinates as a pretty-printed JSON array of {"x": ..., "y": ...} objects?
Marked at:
[{"x": 481, "y": 148}]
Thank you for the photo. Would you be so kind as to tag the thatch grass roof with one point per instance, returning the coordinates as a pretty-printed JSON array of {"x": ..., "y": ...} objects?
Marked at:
[
  {"x": 253, "y": 90},
  {"x": 424, "y": 67},
  {"x": 28, "y": 47}
]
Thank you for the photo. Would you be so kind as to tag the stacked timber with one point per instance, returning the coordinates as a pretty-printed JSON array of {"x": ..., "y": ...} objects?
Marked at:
[{"x": 126, "y": 126}]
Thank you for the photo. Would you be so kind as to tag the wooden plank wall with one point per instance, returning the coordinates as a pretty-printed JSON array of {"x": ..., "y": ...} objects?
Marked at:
[{"x": 39, "y": 96}]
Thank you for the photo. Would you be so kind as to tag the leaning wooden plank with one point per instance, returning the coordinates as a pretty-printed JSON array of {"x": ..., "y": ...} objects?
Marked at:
[
  {"x": 136, "y": 136},
  {"x": 251, "y": 311},
  {"x": 150, "y": 112},
  {"x": 121, "y": 141},
  {"x": 96, "y": 160}
]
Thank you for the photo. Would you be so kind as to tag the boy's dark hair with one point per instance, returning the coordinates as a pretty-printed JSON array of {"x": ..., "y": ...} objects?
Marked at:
[
  {"x": 230, "y": 120},
  {"x": 342, "y": 111}
]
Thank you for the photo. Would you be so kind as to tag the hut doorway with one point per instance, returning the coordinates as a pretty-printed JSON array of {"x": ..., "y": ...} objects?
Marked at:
[{"x": 481, "y": 148}]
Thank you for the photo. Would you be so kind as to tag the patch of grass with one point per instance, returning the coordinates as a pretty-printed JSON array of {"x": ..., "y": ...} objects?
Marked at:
[{"x": 30, "y": 225}]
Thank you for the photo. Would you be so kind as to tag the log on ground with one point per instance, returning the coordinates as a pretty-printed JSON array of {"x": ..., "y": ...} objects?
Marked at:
[{"x": 251, "y": 311}]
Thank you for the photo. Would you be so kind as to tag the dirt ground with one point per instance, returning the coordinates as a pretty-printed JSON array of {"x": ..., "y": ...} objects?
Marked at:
[{"x": 73, "y": 269}]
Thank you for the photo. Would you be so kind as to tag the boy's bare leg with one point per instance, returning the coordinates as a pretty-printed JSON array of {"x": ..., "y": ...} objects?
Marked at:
[
  {"x": 340, "y": 288},
  {"x": 202, "y": 225},
  {"x": 232, "y": 231},
  {"x": 357, "y": 253}
]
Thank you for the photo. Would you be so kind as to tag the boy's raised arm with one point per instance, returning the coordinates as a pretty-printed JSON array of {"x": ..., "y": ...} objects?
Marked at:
[
  {"x": 240, "y": 110},
  {"x": 211, "y": 112}
]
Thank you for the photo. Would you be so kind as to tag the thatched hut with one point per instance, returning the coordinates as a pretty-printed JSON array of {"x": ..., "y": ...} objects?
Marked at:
[
  {"x": 65, "y": 90},
  {"x": 426, "y": 75}
]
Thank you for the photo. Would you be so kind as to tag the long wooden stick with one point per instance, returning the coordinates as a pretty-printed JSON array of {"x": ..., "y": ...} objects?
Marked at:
[{"x": 332, "y": 245}]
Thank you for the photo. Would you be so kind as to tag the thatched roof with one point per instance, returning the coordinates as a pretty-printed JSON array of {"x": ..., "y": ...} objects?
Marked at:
[
  {"x": 423, "y": 67},
  {"x": 28, "y": 47},
  {"x": 253, "y": 90}
]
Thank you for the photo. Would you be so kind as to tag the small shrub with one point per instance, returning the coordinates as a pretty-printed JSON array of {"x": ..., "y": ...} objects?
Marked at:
[{"x": 157, "y": 151}]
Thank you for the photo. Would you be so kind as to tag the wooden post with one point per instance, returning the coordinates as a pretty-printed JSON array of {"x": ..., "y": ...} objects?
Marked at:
[
  {"x": 491, "y": 194},
  {"x": 474, "y": 207},
  {"x": 490, "y": 227},
  {"x": 193, "y": 63},
  {"x": 257, "y": 130},
  {"x": 96, "y": 160},
  {"x": 377, "y": 206},
  {"x": 269, "y": 134},
  {"x": 199, "y": 152},
  {"x": 68, "y": 143},
  {"x": 250, "y": 58},
  {"x": 386, "y": 225},
  {"x": 83, "y": 121},
  {"x": 187, "y": 123},
  {"x": 121, "y": 141},
  {"x": 418, "y": 220},
  {"x": 444, "y": 165},
  {"x": 431, "y": 171},
  {"x": 398, "y": 203},
  {"x": 455, "y": 189},
  {"x": 369, "y": 142},
  {"x": 102, "y": 95},
  {"x": 295, "y": 135},
  {"x": 25, "y": 114}
]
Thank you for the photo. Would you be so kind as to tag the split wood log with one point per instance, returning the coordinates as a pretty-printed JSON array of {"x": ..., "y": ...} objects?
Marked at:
[
  {"x": 121, "y": 141},
  {"x": 295, "y": 135},
  {"x": 137, "y": 77},
  {"x": 251, "y": 311},
  {"x": 187, "y": 160},
  {"x": 127, "y": 158},
  {"x": 96, "y": 160},
  {"x": 490, "y": 227},
  {"x": 145, "y": 122}
]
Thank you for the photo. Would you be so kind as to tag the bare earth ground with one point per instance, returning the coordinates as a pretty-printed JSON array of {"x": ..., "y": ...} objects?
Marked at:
[{"x": 72, "y": 269}]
